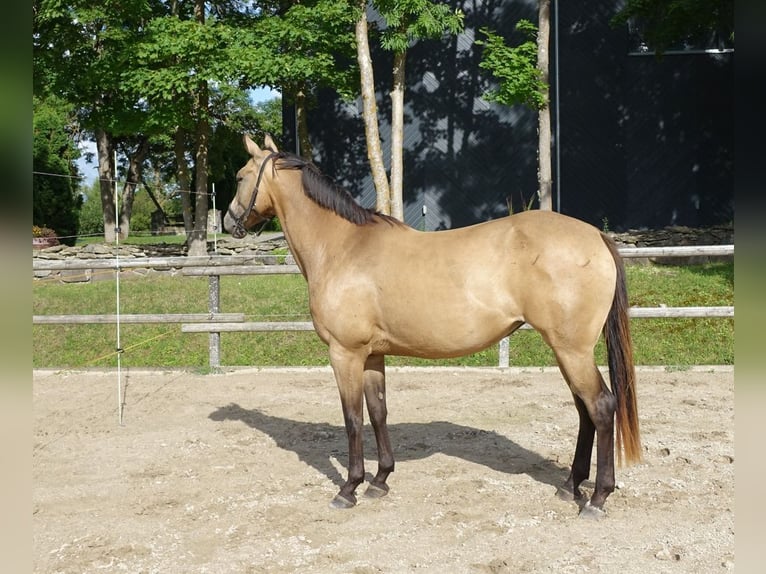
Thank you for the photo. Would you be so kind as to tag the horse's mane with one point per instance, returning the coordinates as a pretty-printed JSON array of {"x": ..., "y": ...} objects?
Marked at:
[{"x": 327, "y": 194}]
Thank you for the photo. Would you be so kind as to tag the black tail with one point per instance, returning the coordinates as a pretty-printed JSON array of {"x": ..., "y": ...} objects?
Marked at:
[{"x": 622, "y": 373}]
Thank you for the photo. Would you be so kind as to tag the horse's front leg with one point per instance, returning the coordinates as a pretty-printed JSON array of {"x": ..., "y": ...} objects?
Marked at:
[
  {"x": 375, "y": 396},
  {"x": 348, "y": 368}
]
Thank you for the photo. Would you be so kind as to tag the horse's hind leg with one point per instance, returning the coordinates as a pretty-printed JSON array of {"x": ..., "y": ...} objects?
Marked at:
[
  {"x": 375, "y": 396},
  {"x": 582, "y": 457},
  {"x": 596, "y": 406}
]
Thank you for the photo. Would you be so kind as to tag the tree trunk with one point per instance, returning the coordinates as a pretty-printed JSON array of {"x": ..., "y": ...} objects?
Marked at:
[
  {"x": 301, "y": 114},
  {"x": 106, "y": 178},
  {"x": 397, "y": 136},
  {"x": 370, "y": 114},
  {"x": 135, "y": 167},
  {"x": 544, "y": 115},
  {"x": 197, "y": 241},
  {"x": 184, "y": 179}
]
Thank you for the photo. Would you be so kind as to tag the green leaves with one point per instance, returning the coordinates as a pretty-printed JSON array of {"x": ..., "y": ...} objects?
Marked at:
[
  {"x": 514, "y": 68},
  {"x": 306, "y": 46},
  {"x": 411, "y": 20}
]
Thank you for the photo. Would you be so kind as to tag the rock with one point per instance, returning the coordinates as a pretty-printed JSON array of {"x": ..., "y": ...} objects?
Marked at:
[
  {"x": 97, "y": 248},
  {"x": 75, "y": 275}
]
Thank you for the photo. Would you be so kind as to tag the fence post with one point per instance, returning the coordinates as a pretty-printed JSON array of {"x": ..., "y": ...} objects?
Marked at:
[
  {"x": 504, "y": 352},
  {"x": 214, "y": 306}
]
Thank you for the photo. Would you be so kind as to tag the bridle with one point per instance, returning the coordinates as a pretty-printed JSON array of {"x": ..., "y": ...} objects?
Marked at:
[{"x": 239, "y": 222}]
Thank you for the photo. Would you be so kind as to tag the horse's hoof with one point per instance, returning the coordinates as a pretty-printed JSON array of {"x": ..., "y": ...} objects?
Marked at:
[
  {"x": 591, "y": 512},
  {"x": 563, "y": 493},
  {"x": 375, "y": 491},
  {"x": 342, "y": 502}
]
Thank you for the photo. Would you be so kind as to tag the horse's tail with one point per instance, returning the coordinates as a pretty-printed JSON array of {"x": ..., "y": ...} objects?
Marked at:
[{"x": 622, "y": 373}]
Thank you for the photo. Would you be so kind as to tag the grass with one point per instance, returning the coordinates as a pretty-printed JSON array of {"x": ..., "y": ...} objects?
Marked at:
[
  {"x": 672, "y": 342},
  {"x": 138, "y": 238}
]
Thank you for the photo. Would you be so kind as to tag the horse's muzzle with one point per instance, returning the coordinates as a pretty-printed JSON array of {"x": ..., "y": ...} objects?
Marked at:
[{"x": 234, "y": 226}]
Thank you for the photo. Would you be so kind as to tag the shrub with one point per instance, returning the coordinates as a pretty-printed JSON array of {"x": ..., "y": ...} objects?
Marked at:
[{"x": 45, "y": 232}]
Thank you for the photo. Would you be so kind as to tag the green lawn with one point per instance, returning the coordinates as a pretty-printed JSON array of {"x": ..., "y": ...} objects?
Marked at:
[{"x": 674, "y": 342}]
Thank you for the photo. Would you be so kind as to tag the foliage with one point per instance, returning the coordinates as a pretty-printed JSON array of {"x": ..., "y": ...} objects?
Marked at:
[
  {"x": 143, "y": 207},
  {"x": 81, "y": 51},
  {"x": 411, "y": 20},
  {"x": 38, "y": 231},
  {"x": 135, "y": 69},
  {"x": 92, "y": 221},
  {"x": 300, "y": 46},
  {"x": 91, "y": 217},
  {"x": 514, "y": 68},
  {"x": 666, "y": 23},
  {"x": 55, "y": 197},
  {"x": 45, "y": 232},
  {"x": 227, "y": 154}
]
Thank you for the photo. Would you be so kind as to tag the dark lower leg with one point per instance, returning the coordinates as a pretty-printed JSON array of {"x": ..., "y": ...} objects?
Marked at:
[
  {"x": 354, "y": 422},
  {"x": 375, "y": 396},
  {"x": 583, "y": 450},
  {"x": 604, "y": 421}
]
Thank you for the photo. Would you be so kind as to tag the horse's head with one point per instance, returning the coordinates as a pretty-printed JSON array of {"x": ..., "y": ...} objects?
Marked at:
[{"x": 251, "y": 204}]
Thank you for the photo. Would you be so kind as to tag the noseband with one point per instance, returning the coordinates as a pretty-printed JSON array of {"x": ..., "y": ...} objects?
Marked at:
[{"x": 239, "y": 222}]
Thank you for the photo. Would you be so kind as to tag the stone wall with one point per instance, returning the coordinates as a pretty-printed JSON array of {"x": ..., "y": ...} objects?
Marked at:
[
  {"x": 270, "y": 248},
  {"x": 677, "y": 236}
]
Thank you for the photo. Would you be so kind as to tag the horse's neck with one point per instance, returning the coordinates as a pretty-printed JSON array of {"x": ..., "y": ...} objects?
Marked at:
[{"x": 313, "y": 233}]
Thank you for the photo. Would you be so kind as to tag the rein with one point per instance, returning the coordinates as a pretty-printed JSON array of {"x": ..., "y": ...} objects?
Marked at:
[{"x": 239, "y": 222}]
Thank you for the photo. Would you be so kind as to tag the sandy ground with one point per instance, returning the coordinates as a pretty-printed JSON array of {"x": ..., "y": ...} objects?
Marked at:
[{"x": 233, "y": 473}]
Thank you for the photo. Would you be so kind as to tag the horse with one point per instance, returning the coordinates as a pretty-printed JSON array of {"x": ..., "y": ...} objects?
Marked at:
[{"x": 378, "y": 287}]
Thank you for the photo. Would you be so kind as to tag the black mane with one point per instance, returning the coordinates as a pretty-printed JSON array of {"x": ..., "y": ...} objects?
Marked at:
[{"x": 326, "y": 193}]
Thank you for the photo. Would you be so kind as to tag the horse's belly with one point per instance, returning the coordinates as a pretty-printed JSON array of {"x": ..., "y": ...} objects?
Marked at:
[{"x": 443, "y": 335}]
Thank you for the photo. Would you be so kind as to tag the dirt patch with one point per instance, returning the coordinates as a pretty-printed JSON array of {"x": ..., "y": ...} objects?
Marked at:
[{"x": 233, "y": 473}]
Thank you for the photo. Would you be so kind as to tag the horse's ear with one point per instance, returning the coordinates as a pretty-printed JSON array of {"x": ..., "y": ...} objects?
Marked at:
[
  {"x": 269, "y": 143},
  {"x": 251, "y": 147}
]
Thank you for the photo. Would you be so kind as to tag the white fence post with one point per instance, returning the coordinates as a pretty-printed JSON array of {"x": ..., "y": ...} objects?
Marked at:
[
  {"x": 214, "y": 305},
  {"x": 504, "y": 352}
]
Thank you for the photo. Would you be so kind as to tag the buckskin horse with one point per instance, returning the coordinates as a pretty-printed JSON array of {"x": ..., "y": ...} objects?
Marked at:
[{"x": 378, "y": 287}]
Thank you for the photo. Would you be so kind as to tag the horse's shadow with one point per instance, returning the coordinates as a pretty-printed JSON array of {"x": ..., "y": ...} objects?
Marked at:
[{"x": 316, "y": 443}]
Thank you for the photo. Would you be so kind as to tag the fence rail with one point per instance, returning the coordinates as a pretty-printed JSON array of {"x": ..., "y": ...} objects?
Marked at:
[
  {"x": 214, "y": 266},
  {"x": 200, "y": 318}
]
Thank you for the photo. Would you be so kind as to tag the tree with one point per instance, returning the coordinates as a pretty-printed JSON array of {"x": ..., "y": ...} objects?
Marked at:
[
  {"x": 544, "y": 173},
  {"x": 80, "y": 51},
  {"x": 298, "y": 47},
  {"x": 56, "y": 200},
  {"x": 370, "y": 112},
  {"x": 406, "y": 21},
  {"x": 197, "y": 240},
  {"x": 185, "y": 69},
  {"x": 140, "y": 71},
  {"x": 227, "y": 154},
  {"x": 136, "y": 71},
  {"x": 521, "y": 73}
]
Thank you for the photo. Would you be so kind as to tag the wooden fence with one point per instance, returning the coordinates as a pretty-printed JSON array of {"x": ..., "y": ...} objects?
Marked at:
[{"x": 215, "y": 323}]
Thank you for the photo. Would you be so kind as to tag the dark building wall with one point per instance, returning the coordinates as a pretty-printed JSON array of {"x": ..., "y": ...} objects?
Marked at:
[
  {"x": 679, "y": 141},
  {"x": 643, "y": 142}
]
